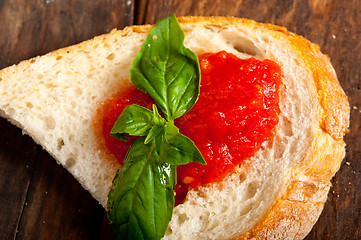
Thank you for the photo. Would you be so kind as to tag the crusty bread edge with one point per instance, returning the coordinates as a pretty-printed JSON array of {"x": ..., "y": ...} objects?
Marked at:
[{"x": 300, "y": 204}]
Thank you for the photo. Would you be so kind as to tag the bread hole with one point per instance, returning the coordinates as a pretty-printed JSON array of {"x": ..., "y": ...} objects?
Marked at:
[
  {"x": 293, "y": 148},
  {"x": 247, "y": 47},
  {"x": 246, "y": 210},
  {"x": 71, "y": 137},
  {"x": 225, "y": 208},
  {"x": 242, "y": 43},
  {"x": 61, "y": 143},
  {"x": 78, "y": 91},
  {"x": 205, "y": 216},
  {"x": 252, "y": 189},
  {"x": 201, "y": 194},
  {"x": 287, "y": 127},
  {"x": 50, "y": 123},
  {"x": 70, "y": 162},
  {"x": 50, "y": 85},
  {"x": 32, "y": 60},
  {"x": 211, "y": 26},
  {"x": 182, "y": 218},
  {"x": 29, "y": 105},
  {"x": 242, "y": 177},
  {"x": 59, "y": 57},
  {"x": 296, "y": 62},
  {"x": 169, "y": 231}
]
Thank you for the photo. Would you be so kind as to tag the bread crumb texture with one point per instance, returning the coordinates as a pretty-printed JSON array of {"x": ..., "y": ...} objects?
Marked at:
[{"x": 278, "y": 193}]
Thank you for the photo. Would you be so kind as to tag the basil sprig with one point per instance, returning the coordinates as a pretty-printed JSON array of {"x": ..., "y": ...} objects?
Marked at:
[{"x": 140, "y": 203}]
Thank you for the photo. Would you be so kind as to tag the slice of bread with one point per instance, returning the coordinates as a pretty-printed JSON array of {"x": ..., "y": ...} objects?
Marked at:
[{"x": 58, "y": 99}]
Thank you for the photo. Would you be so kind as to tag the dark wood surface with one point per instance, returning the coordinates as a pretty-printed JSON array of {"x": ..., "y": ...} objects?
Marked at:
[{"x": 41, "y": 200}]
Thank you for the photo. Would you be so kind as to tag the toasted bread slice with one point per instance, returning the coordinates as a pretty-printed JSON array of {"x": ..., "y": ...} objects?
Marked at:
[{"x": 58, "y": 100}]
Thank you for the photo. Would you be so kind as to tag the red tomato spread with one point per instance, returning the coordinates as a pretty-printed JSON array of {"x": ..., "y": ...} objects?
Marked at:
[{"x": 235, "y": 113}]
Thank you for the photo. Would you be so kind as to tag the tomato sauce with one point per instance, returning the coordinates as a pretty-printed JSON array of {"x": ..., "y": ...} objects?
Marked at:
[{"x": 235, "y": 113}]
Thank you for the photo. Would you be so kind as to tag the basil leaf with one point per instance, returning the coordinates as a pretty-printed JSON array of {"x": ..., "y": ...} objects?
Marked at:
[
  {"x": 154, "y": 132},
  {"x": 178, "y": 149},
  {"x": 157, "y": 117},
  {"x": 134, "y": 120},
  {"x": 141, "y": 201},
  {"x": 157, "y": 130},
  {"x": 166, "y": 70}
]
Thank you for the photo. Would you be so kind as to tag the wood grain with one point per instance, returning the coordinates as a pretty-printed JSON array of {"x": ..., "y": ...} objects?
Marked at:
[{"x": 41, "y": 200}]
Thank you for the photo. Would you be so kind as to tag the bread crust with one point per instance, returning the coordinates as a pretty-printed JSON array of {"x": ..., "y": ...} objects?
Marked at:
[
  {"x": 300, "y": 202},
  {"x": 299, "y": 205}
]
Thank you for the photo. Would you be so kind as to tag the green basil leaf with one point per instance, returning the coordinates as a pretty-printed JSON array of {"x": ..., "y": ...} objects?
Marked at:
[
  {"x": 157, "y": 117},
  {"x": 166, "y": 70},
  {"x": 178, "y": 149},
  {"x": 134, "y": 120},
  {"x": 140, "y": 203},
  {"x": 158, "y": 129},
  {"x": 154, "y": 132}
]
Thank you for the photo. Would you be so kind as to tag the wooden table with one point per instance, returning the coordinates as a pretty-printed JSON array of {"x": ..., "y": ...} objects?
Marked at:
[{"x": 41, "y": 200}]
